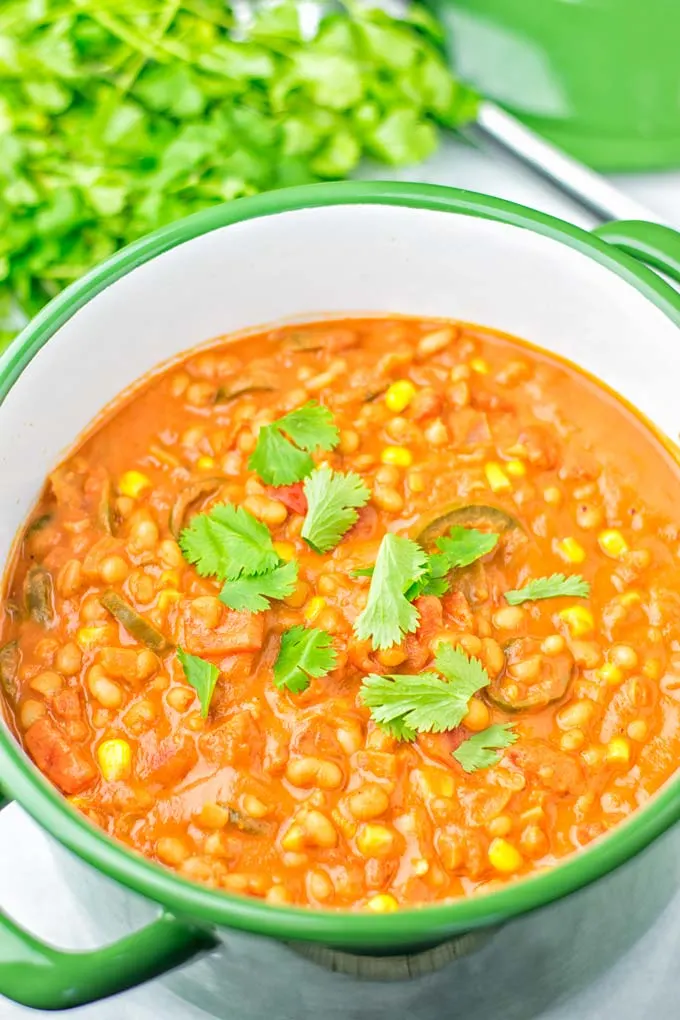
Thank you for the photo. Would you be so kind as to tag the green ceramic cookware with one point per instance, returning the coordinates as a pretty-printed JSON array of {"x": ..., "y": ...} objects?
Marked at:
[
  {"x": 601, "y": 78},
  {"x": 329, "y": 249}
]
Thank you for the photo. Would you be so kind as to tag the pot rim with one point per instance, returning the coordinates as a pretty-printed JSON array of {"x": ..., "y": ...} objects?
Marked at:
[{"x": 427, "y": 924}]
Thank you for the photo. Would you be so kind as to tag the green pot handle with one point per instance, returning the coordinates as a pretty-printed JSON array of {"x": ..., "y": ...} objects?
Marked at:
[
  {"x": 653, "y": 243},
  {"x": 35, "y": 974}
]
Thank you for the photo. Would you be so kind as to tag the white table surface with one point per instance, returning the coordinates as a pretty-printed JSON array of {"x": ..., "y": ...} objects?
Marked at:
[{"x": 645, "y": 983}]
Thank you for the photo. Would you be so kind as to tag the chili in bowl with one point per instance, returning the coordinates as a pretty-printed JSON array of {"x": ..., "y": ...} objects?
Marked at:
[
  {"x": 354, "y": 614},
  {"x": 357, "y": 629}
]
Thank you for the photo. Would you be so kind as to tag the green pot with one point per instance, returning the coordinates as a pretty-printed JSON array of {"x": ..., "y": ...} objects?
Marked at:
[
  {"x": 329, "y": 249},
  {"x": 600, "y": 78}
]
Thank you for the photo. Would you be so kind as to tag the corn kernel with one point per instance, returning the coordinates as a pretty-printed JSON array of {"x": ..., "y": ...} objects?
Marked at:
[
  {"x": 399, "y": 395},
  {"x": 115, "y": 759},
  {"x": 133, "y": 484},
  {"x": 479, "y": 366},
  {"x": 579, "y": 620},
  {"x": 374, "y": 840},
  {"x": 416, "y": 481},
  {"x": 169, "y": 579},
  {"x": 285, "y": 550},
  {"x": 516, "y": 468},
  {"x": 383, "y": 903},
  {"x": 399, "y": 456},
  {"x": 497, "y": 478},
  {"x": 90, "y": 637},
  {"x": 610, "y": 673},
  {"x": 570, "y": 550},
  {"x": 612, "y": 543},
  {"x": 167, "y": 597},
  {"x": 503, "y": 856},
  {"x": 205, "y": 463},
  {"x": 421, "y": 866},
  {"x": 630, "y": 598},
  {"x": 618, "y": 751},
  {"x": 313, "y": 608}
]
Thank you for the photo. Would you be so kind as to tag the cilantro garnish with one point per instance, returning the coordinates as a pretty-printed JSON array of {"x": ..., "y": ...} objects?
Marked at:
[
  {"x": 407, "y": 572},
  {"x": 552, "y": 587},
  {"x": 389, "y": 615},
  {"x": 482, "y": 750},
  {"x": 304, "y": 653},
  {"x": 405, "y": 704},
  {"x": 462, "y": 546},
  {"x": 201, "y": 675},
  {"x": 283, "y": 452},
  {"x": 228, "y": 542},
  {"x": 332, "y": 499},
  {"x": 253, "y": 593}
]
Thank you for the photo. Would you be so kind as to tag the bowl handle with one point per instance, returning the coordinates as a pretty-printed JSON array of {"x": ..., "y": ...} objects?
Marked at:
[
  {"x": 35, "y": 974},
  {"x": 652, "y": 243}
]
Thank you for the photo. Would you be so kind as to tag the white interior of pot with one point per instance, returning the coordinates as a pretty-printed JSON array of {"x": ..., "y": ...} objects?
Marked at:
[{"x": 337, "y": 260}]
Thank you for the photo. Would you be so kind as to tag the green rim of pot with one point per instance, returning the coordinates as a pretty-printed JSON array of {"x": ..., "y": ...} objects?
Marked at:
[{"x": 421, "y": 925}]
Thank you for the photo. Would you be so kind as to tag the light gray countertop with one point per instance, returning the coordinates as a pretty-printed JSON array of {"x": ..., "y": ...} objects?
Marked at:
[{"x": 644, "y": 982}]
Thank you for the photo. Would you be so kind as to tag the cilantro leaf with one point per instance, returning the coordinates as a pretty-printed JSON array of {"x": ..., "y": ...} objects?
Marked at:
[
  {"x": 465, "y": 672},
  {"x": 462, "y": 546},
  {"x": 283, "y": 451},
  {"x": 482, "y": 750},
  {"x": 406, "y": 704},
  {"x": 228, "y": 542},
  {"x": 552, "y": 587},
  {"x": 253, "y": 593},
  {"x": 332, "y": 499},
  {"x": 304, "y": 653},
  {"x": 363, "y": 572},
  {"x": 389, "y": 615},
  {"x": 435, "y": 580},
  {"x": 311, "y": 427},
  {"x": 144, "y": 126},
  {"x": 277, "y": 461},
  {"x": 201, "y": 675}
]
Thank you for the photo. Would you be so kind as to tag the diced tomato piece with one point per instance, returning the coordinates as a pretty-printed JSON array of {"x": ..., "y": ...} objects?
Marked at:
[
  {"x": 238, "y": 632},
  {"x": 165, "y": 762},
  {"x": 237, "y": 741},
  {"x": 365, "y": 525},
  {"x": 458, "y": 610},
  {"x": 292, "y": 496},
  {"x": 441, "y": 746},
  {"x": 64, "y": 765},
  {"x": 67, "y": 704},
  {"x": 426, "y": 404},
  {"x": 431, "y": 622},
  {"x": 542, "y": 449},
  {"x": 556, "y": 770}
]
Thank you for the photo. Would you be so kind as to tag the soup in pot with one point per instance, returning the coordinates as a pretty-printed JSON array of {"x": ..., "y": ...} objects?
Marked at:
[{"x": 359, "y": 614}]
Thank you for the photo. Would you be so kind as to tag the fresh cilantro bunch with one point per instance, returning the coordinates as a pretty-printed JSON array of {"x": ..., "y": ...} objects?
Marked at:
[{"x": 116, "y": 118}]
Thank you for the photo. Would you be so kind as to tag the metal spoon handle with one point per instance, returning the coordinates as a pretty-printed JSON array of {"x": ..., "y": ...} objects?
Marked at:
[{"x": 583, "y": 184}]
